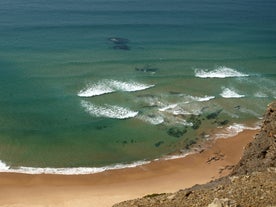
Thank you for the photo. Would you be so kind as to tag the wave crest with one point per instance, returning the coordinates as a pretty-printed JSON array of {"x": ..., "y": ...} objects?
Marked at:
[
  {"x": 220, "y": 72},
  {"x": 228, "y": 93},
  {"x": 109, "y": 86},
  {"x": 108, "y": 111}
]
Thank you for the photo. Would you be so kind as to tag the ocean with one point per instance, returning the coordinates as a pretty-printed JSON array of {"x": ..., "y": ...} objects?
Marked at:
[{"x": 91, "y": 85}]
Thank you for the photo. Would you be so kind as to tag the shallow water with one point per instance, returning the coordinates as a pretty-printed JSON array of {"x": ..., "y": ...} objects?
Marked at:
[{"x": 69, "y": 99}]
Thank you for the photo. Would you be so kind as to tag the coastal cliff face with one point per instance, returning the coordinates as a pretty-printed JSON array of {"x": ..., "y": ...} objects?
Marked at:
[
  {"x": 252, "y": 182},
  {"x": 261, "y": 153}
]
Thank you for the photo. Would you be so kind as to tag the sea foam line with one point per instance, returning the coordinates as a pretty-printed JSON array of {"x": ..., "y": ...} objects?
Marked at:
[
  {"x": 109, "y": 111},
  {"x": 234, "y": 130},
  {"x": 110, "y": 86},
  {"x": 67, "y": 171},
  {"x": 220, "y": 72}
]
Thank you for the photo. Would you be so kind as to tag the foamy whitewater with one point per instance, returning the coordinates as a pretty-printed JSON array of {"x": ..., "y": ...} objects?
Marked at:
[
  {"x": 109, "y": 86},
  {"x": 234, "y": 130},
  {"x": 230, "y": 93},
  {"x": 68, "y": 171},
  {"x": 115, "y": 112},
  {"x": 220, "y": 72}
]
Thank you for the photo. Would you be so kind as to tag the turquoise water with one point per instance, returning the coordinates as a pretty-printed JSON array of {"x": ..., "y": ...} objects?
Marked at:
[{"x": 71, "y": 98}]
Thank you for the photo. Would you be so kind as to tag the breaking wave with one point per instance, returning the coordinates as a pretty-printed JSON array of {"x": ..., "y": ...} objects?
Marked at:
[
  {"x": 228, "y": 93},
  {"x": 220, "y": 72},
  {"x": 109, "y": 86},
  {"x": 201, "y": 99},
  {"x": 68, "y": 171},
  {"x": 109, "y": 111},
  {"x": 234, "y": 130}
]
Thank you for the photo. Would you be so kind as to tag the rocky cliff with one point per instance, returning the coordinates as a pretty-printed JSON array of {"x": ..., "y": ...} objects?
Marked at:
[{"x": 252, "y": 182}]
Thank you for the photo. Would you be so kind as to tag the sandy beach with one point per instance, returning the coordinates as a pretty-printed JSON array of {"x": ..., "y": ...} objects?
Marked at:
[{"x": 110, "y": 187}]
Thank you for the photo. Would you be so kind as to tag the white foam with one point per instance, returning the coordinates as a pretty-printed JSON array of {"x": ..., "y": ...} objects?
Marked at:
[
  {"x": 171, "y": 106},
  {"x": 3, "y": 166},
  {"x": 228, "y": 93},
  {"x": 128, "y": 86},
  {"x": 202, "y": 99},
  {"x": 220, "y": 72},
  {"x": 109, "y": 111},
  {"x": 68, "y": 171},
  {"x": 234, "y": 130},
  {"x": 260, "y": 95},
  {"x": 154, "y": 120},
  {"x": 96, "y": 90},
  {"x": 109, "y": 86}
]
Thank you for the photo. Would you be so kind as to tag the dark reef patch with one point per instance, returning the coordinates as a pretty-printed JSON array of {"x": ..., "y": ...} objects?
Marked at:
[
  {"x": 157, "y": 144},
  {"x": 214, "y": 114},
  {"x": 176, "y": 132},
  {"x": 195, "y": 121}
]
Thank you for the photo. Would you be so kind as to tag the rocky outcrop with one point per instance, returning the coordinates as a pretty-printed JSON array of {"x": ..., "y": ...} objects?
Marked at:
[
  {"x": 251, "y": 184},
  {"x": 261, "y": 153}
]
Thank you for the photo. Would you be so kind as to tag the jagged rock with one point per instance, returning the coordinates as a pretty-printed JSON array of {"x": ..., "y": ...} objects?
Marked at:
[
  {"x": 261, "y": 153},
  {"x": 224, "y": 202}
]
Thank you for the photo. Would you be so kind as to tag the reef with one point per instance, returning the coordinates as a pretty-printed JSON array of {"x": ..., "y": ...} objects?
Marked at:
[
  {"x": 147, "y": 68},
  {"x": 119, "y": 43}
]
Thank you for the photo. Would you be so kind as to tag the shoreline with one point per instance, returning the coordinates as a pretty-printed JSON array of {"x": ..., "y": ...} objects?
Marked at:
[{"x": 113, "y": 186}]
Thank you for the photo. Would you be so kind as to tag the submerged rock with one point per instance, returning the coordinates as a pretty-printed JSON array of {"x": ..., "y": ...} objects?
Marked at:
[
  {"x": 157, "y": 144},
  {"x": 146, "y": 68},
  {"x": 176, "y": 132},
  {"x": 195, "y": 121},
  {"x": 118, "y": 40},
  {"x": 214, "y": 114},
  {"x": 121, "y": 47},
  {"x": 222, "y": 123}
]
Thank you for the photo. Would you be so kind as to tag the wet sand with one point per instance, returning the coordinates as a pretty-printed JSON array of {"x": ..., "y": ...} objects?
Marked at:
[{"x": 110, "y": 187}]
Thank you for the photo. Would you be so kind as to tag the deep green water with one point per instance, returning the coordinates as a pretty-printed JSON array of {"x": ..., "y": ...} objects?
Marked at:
[{"x": 208, "y": 63}]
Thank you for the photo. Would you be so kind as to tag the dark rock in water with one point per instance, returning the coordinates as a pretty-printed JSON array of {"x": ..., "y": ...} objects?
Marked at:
[
  {"x": 237, "y": 107},
  {"x": 189, "y": 143},
  {"x": 100, "y": 127},
  {"x": 118, "y": 40},
  {"x": 195, "y": 121},
  {"x": 214, "y": 114},
  {"x": 146, "y": 68},
  {"x": 157, "y": 144},
  {"x": 121, "y": 47},
  {"x": 175, "y": 93},
  {"x": 176, "y": 132},
  {"x": 222, "y": 123}
]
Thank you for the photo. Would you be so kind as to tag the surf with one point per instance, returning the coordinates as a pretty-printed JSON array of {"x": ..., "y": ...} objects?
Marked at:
[
  {"x": 220, "y": 72},
  {"x": 108, "y": 111},
  {"x": 110, "y": 86}
]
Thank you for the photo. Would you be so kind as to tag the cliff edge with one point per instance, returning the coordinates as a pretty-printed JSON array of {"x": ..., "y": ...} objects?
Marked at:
[{"x": 252, "y": 182}]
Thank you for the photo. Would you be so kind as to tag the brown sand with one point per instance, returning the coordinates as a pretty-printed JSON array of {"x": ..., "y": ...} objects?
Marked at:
[{"x": 106, "y": 188}]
